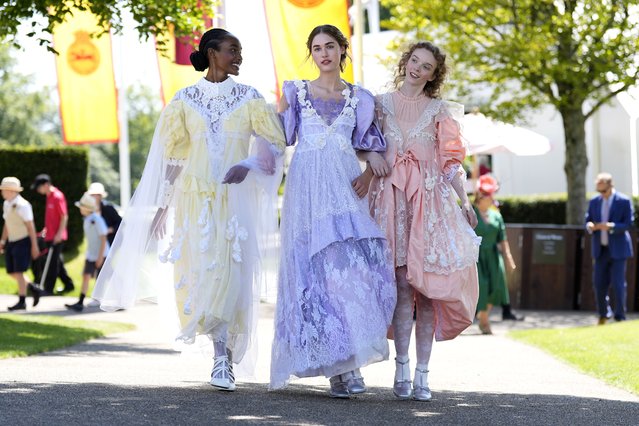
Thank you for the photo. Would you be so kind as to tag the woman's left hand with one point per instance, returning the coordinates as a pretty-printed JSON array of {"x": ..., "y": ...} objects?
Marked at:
[
  {"x": 469, "y": 214},
  {"x": 236, "y": 174}
]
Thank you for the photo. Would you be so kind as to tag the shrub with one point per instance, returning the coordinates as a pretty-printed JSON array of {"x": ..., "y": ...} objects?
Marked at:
[
  {"x": 542, "y": 209},
  {"x": 68, "y": 168}
]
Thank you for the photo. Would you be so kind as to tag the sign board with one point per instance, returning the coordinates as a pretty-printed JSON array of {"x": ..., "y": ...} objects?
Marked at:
[{"x": 549, "y": 248}]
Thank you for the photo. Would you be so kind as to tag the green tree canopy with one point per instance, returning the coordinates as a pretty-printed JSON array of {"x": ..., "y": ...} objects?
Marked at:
[
  {"x": 153, "y": 17},
  {"x": 573, "y": 54},
  {"x": 27, "y": 116},
  {"x": 143, "y": 111}
]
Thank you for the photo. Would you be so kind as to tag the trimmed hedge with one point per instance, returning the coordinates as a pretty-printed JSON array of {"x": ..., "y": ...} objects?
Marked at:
[
  {"x": 68, "y": 168},
  {"x": 542, "y": 209}
]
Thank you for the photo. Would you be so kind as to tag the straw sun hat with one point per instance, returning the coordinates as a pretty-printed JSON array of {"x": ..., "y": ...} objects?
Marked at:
[
  {"x": 87, "y": 202},
  {"x": 11, "y": 184},
  {"x": 96, "y": 188}
]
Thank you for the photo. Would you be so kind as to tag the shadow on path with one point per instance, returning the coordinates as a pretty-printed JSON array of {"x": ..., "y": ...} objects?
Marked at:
[{"x": 95, "y": 403}]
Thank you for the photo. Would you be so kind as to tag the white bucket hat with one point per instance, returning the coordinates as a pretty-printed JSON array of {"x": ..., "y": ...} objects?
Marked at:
[
  {"x": 87, "y": 202},
  {"x": 96, "y": 188},
  {"x": 11, "y": 183}
]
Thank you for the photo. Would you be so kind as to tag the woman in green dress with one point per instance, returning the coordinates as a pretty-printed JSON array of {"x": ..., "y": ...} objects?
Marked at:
[{"x": 492, "y": 252}]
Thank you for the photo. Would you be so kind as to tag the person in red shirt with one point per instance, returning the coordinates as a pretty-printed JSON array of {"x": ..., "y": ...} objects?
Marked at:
[{"x": 54, "y": 232}]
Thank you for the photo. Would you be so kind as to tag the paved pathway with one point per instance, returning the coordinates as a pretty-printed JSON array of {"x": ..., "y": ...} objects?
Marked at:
[{"x": 136, "y": 378}]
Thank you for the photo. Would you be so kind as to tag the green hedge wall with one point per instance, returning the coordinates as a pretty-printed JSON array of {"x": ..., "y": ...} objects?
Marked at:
[
  {"x": 68, "y": 168},
  {"x": 542, "y": 209}
]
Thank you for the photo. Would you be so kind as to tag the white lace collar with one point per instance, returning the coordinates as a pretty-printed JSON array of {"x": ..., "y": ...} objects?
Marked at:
[{"x": 211, "y": 90}]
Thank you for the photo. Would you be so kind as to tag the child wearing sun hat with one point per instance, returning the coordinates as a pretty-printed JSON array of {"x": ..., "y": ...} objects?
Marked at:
[
  {"x": 95, "y": 232},
  {"x": 18, "y": 241}
]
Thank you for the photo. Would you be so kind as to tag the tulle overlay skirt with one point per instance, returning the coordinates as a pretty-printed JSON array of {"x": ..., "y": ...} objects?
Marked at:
[
  {"x": 336, "y": 290},
  {"x": 215, "y": 257}
]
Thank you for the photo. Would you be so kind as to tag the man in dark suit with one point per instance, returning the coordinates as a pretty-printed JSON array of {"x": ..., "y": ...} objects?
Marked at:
[{"x": 608, "y": 219}]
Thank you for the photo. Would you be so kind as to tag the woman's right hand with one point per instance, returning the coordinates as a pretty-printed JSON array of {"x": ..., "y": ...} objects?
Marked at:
[
  {"x": 362, "y": 182},
  {"x": 158, "y": 226}
]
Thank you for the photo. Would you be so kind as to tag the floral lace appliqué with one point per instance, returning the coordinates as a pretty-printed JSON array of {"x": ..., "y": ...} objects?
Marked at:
[{"x": 236, "y": 233}]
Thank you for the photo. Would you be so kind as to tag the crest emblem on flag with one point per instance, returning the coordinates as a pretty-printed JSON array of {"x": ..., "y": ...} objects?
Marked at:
[
  {"x": 83, "y": 56},
  {"x": 306, "y": 3}
]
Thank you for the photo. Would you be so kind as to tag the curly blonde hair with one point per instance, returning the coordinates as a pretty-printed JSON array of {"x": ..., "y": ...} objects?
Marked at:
[{"x": 432, "y": 88}]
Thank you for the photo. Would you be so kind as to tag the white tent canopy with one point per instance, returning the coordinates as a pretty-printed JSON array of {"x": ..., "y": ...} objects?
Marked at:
[{"x": 484, "y": 135}]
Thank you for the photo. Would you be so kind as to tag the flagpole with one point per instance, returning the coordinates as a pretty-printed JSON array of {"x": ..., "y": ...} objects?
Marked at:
[
  {"x": 219, "y": 19},
  {"x": 123, "y": 145},
  {"x": 358, "y": 29},
  {"x": 123, "y": 150}
]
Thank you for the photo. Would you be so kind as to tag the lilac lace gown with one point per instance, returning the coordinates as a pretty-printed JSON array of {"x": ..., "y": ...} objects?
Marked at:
[{"x": 336, "y": 290}]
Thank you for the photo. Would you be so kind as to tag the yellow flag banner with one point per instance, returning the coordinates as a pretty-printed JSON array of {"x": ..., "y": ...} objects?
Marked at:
[
  {"x": 289, "y": 24},
  {"x": 86, "y": 82},
  {"x": 176, "y": 72}
]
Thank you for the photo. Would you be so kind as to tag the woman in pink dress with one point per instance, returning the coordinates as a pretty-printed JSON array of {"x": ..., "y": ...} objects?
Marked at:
[{"x": 434, "y": 246}]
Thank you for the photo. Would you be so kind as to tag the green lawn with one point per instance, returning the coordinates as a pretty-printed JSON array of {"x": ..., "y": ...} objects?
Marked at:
[
  {"x": 23, "y": 335},
  {"x": 74, "y": 262},
  {"x": 609, "y": 352}
]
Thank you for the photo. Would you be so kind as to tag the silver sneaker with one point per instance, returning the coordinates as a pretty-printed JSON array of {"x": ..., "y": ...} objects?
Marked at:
[
  {"x": 222, "y": 377},
  {"x": 339, "y": 387},
  {"x": 401, "y": 386},
  {"x": 421, "y": 391}
]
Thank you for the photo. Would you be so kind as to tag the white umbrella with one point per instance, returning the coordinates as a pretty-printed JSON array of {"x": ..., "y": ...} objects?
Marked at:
[{"x": 484, "y": 135}]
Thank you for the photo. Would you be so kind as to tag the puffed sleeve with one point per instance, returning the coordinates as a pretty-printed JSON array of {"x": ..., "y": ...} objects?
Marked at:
[
  {"x": 172, "y": 132},
  {"x": 451, "y": 148},
  {"x": 290, "y": 116},
  {"x": 266, "y": 123},
  {"x": 269, "y": 142},
  {"x": 367, "y": 135}
]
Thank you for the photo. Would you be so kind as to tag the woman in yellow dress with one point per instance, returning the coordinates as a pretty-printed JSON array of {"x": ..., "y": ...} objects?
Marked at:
[{"x": 199, "y": 222}]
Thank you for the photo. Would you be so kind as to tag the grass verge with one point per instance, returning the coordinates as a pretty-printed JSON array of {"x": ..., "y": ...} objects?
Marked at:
[
  {"x": 23, "y": 335},
  {"x": 608, "y": 352}
]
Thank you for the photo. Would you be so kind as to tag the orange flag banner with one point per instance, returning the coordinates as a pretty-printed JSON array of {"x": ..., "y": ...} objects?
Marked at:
[
  {"x": 86, "y": 81},
  {"x": 176, "y": 71},
  {"x": 289, "y": 24}
]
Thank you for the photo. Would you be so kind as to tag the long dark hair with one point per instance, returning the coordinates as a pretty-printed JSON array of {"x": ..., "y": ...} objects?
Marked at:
[
  {"x": 432, "y": 88},
  {"x": 334, "y": 33},
  {"x": 210, "y": 40}
]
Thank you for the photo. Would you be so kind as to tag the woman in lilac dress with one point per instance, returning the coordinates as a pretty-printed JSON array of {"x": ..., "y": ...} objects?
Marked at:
[{"x": 336, "y": 291}]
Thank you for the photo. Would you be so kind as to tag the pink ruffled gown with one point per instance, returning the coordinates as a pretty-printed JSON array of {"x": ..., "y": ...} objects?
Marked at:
[{"x": 417, "y": 208}]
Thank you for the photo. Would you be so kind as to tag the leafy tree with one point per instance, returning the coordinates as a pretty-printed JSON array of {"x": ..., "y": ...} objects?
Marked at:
[
  {"x": 143, "y": 113},
  {"x": 153, "y": 17},
  {"x": 27, "y": 116},
  {"x": 573, "y": 54}
]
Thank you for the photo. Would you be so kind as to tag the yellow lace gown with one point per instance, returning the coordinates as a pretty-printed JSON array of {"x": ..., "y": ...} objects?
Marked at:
[{"x": 210, "y": 253}]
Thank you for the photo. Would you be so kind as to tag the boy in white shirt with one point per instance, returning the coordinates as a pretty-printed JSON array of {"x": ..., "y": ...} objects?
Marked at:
[
  {"x": 95, "y": 231},
  {"x": 18, "y": 241}
]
